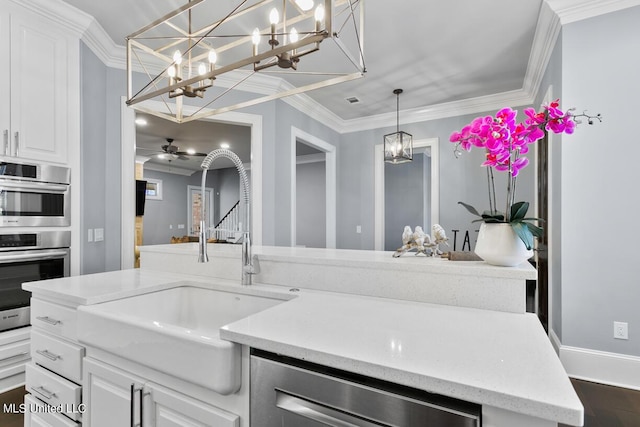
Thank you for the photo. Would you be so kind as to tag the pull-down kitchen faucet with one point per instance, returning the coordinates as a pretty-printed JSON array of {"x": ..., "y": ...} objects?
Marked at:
[{"x": 247, "y": 263}]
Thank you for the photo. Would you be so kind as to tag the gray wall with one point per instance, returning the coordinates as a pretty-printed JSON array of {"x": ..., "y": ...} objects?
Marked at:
[
  {"x": 162, "y": 217},
  {"x": 461, "y": 179},
  {"x": 404, "y": 199},
  {"x": 280, "y": 191},
  {"x": 311, "y": 206},
  {"x": 93, "y": 75},
  {"x": 600, "y": 233}
]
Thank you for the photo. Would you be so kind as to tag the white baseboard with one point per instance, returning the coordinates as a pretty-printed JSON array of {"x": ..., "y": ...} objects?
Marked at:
[{"x": 602, "y": 367}]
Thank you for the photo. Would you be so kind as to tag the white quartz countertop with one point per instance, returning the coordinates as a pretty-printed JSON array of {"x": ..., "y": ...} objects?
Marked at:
[
  {"x": 102, "y": 287},
  {"x": 488, "y": 357}
]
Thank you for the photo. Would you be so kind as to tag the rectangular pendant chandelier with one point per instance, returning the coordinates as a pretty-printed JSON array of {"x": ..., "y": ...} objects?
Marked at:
[
  {"x": 268, "y": 49},
  {"x": 398, "y": 146}
]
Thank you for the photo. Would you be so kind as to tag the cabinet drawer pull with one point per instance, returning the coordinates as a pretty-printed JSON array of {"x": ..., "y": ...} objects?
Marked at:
[
  {"x": 44, "y": 392},
  {"x": 315, "y": 411},
  {"x": 48, "y": 355},
  {"x": 49, "y": 320},
  {"x": 15, "y": 356},
  {"x": 132, "y": 402}
]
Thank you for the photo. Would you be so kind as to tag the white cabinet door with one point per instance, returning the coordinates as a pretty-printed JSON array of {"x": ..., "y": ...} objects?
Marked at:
[
  {"x": 5, "y": 83},
  {"x": 171, "y": 409},
  {"x": 112, "y": 397},
  {"x": 39, "y": 89}
]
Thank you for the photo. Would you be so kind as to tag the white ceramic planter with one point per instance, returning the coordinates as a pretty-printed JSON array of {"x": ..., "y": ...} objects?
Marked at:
[{"x": 498, "y": 244}]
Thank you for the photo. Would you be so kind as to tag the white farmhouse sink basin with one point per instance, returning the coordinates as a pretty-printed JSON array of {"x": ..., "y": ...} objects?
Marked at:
[{"x": 175, "y": 331}]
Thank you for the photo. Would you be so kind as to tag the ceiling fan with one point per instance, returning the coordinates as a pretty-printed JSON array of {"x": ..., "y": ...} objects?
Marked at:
[{"x": 174, "y": 151}]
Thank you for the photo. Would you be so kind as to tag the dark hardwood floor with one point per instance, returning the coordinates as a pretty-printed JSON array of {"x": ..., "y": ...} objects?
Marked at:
[
  {"x": 11, "y": 419},
  {"x": 604, "y": 406},
  {"x": 607, "y": 406}
]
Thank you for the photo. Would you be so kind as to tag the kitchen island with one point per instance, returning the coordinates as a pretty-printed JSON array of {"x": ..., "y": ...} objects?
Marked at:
[{"x": 500, "y": 360}]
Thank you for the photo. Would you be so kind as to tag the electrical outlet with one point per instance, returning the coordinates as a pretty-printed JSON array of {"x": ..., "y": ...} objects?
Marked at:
[
  {"x": 90, "y": 235},
  {"x": 621, "y": 330},
  {"x": 358, "y": 229},
  {"x": 98, "y": 234}
]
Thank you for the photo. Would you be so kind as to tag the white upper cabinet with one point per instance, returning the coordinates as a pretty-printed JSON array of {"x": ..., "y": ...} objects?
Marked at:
[{"x": 35, "y": 104}]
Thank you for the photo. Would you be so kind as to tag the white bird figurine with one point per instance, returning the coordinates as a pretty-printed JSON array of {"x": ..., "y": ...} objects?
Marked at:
[
  {"x": 419, "y": 236},
  {"x": 407, "y": 235}
]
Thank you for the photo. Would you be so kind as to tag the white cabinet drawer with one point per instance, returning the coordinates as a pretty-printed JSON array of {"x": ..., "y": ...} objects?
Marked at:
[
  {"x": 36, "y": 414},
  {"x": 54, "y": 318},
  {"x": 58, "y": 355},
  {"x": 54, "y": 390},
  {"x": 14, "y": 352}
]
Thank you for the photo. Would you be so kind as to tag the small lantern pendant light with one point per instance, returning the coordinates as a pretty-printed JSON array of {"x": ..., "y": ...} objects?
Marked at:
[{"x": 398, "y": 146}]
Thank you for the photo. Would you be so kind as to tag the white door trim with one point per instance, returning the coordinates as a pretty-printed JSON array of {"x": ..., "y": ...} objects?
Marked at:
[
  {"x": 378, "y": 221},
  {"x": 128, "y": 152},
  {"x": 330, "y": 183}
]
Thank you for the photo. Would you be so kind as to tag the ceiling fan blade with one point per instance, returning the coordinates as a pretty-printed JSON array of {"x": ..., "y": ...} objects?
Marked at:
[{"x": 185, "y": 153}]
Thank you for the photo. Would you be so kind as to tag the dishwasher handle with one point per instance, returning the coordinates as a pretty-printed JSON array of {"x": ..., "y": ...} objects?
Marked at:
[{"x": 318, "y": 412}]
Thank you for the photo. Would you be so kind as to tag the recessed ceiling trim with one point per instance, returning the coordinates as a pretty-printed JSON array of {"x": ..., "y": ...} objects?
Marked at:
[
  {"x": 481, "y": 104},
  {"x": 114, "y": 56},
  {"x": 544, "y": 41},
  {"x": 576, "y": 10}
]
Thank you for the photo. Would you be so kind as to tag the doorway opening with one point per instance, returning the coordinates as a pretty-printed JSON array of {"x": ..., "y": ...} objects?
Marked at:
[
  {"x": 128, "y": 144},
  {"x": 317, "y": 162},
  {"x": 428, "y": 196}
]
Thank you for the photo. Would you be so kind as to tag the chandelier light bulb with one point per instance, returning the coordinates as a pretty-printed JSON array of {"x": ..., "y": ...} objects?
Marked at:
[
  {"x": 305, "y": 4},
  {"x": 293, "y": 35},
  {"x": 177, "y": 57},
  {"x": 319, "y": 14},
  {"x": 213, "y": 56},
  {"x": 255, "y": 37},
  {"x": 171, "y": 71},
  {"x": 274, "y": 16},
  {"x": 202, "y": 69}
]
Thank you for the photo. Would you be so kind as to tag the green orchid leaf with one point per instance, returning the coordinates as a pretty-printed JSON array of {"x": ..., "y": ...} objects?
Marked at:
[
  {"x": 490, "y": 220},
  {"x": 533, "y": 219},
  {"x": 535, "y": 230},
  {"x": 524, "y": 233},
  {"x": 519, "y": 210},
  {"x": 470, "y": 208}
]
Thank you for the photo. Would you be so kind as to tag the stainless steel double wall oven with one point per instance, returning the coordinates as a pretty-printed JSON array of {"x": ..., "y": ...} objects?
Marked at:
[{"x": 33, "y": 199}]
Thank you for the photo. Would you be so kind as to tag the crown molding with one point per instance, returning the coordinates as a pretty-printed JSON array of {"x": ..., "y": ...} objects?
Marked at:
[
  {"x": 59, "y": 12},
  {"x": 544, "y": 41},
  {"x": 480, "y": 104},
  {"x": 576, "y": 10}
]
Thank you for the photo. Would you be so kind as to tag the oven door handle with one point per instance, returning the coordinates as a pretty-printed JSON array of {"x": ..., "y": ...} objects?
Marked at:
[
  {"x": 34, "y": 186},
  {"x": 32, "y": 257}
]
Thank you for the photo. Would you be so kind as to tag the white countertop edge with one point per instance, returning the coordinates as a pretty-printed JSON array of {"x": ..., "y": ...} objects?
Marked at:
[
  {"x": 354, "y": 258},
  {"x": 519, "y": 404}
]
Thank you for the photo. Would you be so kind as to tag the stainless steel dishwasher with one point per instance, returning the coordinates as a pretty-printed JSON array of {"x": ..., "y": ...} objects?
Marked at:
[{"x": 287, "y": 392}]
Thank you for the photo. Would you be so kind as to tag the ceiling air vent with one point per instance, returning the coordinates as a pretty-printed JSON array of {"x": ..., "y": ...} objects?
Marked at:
[{"x": 352, "y": 100}]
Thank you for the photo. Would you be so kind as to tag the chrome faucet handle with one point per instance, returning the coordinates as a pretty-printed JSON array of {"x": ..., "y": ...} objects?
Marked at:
[{"x": 254, "y": 267}]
